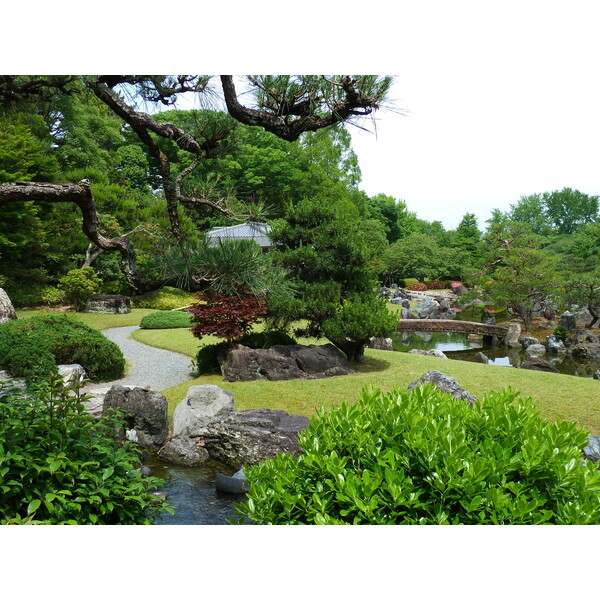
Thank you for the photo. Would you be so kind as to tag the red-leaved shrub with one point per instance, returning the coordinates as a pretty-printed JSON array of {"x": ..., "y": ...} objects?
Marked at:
[
  {"x": 434, "y": 284},
  {"x": 417, "y": 287},
  {"x": 228, "y": 317}
]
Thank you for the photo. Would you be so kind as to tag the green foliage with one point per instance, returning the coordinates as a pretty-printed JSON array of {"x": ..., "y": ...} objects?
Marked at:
[
  {"x": 168, "y": 298},
  {"x": 424, "y": 457},
  {"x": 166, "y": 319},
  {"x": 561, "y": 332},
  {"x": 59, "y": 466},
  {"x": 79, "y": 284},
  {"x": 356, "y": 321},
  {"x": 266, "y": 339},
  {"x": 207, "y": 358},
  {"x": 31, "y": 348}
]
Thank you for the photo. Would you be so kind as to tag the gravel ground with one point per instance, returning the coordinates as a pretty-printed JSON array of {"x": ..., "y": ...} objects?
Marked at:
[{"x": 147, "y": 366}]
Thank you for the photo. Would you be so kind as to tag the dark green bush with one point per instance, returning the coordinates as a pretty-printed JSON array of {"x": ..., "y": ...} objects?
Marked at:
[
  {"x": 206, "y": 359},
  {"x": 166, "y": 319},
  {"x": 561, "y": 332},
  {"x": 266, "y": 339},
  {"x": 58, "y": 466},
  {"x": 33, "y": 347},
  {"x": 423, "y": 457}
]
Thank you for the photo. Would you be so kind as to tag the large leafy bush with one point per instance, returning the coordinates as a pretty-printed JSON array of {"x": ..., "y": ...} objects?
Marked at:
[
  {"x": 79, "y": 284},
  {"x": 168, "y": 298},
  {"x": 166, "y": 319},
  {"x": 423, "y": 457},
  {"x": 33, "y": 347},
  {"x": 58, "y": 465}
]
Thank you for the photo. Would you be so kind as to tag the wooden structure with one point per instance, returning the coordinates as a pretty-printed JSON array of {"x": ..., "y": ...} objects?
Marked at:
[{"x": 451, "y": 326}]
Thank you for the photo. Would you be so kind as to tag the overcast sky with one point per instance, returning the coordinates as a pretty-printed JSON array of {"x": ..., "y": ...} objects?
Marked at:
[{"x": 499, "y": 105}]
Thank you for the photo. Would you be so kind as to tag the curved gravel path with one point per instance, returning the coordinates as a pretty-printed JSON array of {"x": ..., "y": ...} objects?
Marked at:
[{"x": 146, "y": 366}]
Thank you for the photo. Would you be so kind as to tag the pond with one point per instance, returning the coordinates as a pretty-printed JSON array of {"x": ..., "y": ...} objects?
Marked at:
[
  {"x": 191, "y": 490},
  {"x": 459, "y": 346}
]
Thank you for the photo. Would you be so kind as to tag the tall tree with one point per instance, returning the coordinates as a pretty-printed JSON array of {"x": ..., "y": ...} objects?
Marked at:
[{"x": 286, "y": 106}]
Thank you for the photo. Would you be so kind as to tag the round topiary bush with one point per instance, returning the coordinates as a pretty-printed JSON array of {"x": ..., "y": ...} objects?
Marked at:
[
  {"x": 166, "y": 319},
  {"x": 33, "y": 348},
  {"x": 424, "y": 457}
]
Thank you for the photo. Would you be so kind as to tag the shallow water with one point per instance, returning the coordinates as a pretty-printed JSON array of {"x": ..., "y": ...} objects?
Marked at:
[
  {"x": 459, "y": 346},
  {"x": 191, "y": 490}
]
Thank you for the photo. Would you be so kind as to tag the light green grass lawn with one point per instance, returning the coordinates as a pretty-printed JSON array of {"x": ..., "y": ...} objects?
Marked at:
[
  {"x": 558, "y": 397},
  {"x": 95, "y": 320}
]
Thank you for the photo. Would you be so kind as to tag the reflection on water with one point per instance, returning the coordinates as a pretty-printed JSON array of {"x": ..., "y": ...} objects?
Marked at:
[
  {"x": 459, "y": 346},
  {"x": 191, "y": 490}
]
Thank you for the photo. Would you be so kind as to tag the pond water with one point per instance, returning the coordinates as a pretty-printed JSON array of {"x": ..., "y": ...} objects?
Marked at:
[
  {"x": 459, "y": 346},
  {"x": 191, "y": 490}
]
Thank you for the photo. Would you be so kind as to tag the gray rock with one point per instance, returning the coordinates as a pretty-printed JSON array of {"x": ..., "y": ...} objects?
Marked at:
[
  {"x": 583, "y": 317},
  {"x": 427, "y": 308},
  {"x": 280, "y": 363},
  {"x": 252, "y": 436},
  {"x": 72, "y": 374},
  {"x": 592, "y": 450},
  {"x": 554, "y": 345},
  {"x": 597, "y": 375},
  {"x": 446, "y": 384},
  {"x": 234, "y": 484},
  {"x": 587, "y": 351},
  {"x": 202, "y": 405},
  {"x": 146, "y": 419},
  {"x": 568, "y": 320},
  {"x": 536, "y": 350},
  {"x": 480, "y": 357},
  {"x": 539, "y": 364},
  {"x": 488, "y": 318},
  {"x": 108, "y": 304},
  {"x": 406, "y": 313},
  {"x": 185, "y": 451},
  {"x": 527, "y": 341},
  {"x": 434, "y": 352},
  {"x": 511, "y": 340},
  {"x": 7, "y": 310},
  {"x": 377, "y": 343}
]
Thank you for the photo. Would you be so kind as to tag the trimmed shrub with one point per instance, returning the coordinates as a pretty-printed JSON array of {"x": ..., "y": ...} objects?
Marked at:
[
  {"x": 79, "y": 284},
  {"x": 408, "y": 280},
  {"x": 33, "y": 347},
  {"x": 266, "y": 339},
  {"x": 206, "y": 359},
  {"x": 417, "y": 287},
  {"x": 424, "y": 457},
  {"x": 434, "y": 284},
  {"x": 60, "y": 467},
  {"x": 166, "y": 319},
  {"x": 168, "y": 298}
]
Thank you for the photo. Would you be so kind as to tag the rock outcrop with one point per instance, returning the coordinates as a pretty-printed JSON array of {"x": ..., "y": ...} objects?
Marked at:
[
  {"x": 446, "y": 384},
  {"x": 535, "y": 363},
  {"x": 145, "y": 412},
  {"x": 280, "y": 363},
  {"x": 108, "y": 304},
  {"x": 7, "y": 311}
]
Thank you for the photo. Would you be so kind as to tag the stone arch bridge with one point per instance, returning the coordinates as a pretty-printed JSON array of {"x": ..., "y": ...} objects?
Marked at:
[{"x": 451, "y": 326}]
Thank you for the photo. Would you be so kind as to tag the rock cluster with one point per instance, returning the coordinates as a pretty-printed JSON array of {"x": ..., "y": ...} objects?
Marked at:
[{"x": 108, "y": 304}]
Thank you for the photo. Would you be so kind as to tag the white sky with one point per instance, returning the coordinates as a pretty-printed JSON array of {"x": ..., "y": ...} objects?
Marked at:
[{"x": 501, "y": 99}]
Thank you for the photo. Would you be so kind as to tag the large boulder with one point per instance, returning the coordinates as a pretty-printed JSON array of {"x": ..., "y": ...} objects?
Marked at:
[
  {"x": 587, "y": 351},
  {"x": 145, "y": 413},
  {"x": 434, "y": 352},
  {"x": 73, "y": 374},
  {"x": 592, "y": 450},
  {"x": 536, "y": 350},
  {"x": 446, "y": 384},
  {"x": 378, "y": 343},
  {"x": 108, "y": 304},
  {"x": 528, "y": 341},
  {"x": 185, "y": 451},
  {"x": 511, "y": 340},
  {"x": 535, "y": 363},
  {"x": 202, "y": 405},
  {"x": 568, "y": 320},
  {"x": 427, "y": 308},
  {"x": 7, "y": 311},
  {"x": 280, "y": 363},
  {"x": 554, "y": 345},
  {"x": 252, "y": 436}
]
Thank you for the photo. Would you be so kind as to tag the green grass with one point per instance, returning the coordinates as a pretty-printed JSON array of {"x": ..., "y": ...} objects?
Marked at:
[
  {"x": 558, "y": 397},
  {"x": 95, "y": 320}
]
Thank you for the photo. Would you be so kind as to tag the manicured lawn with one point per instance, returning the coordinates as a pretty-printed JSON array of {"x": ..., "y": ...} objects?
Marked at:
[{"x": 556, "y": 396}]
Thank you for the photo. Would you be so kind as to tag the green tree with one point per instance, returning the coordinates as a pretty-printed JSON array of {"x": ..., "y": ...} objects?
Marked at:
[
  {"x": 532, "y": 210},
  {"x": 517, "y": 274},
  {"x": 79, "y": 285},
  {"x": 329, "y": 248},
  {"x": 583, "y": 289},
  {"x": 568, "y": 209},
  {"x": 467, "y": 235}
]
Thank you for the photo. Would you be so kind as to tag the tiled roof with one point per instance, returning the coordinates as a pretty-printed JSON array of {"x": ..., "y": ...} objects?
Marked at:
[{"x": 259, "y": 232}]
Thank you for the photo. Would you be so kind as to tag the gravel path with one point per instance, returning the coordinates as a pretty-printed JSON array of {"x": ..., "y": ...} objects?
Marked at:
[{"x": 146, "y": 366}]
